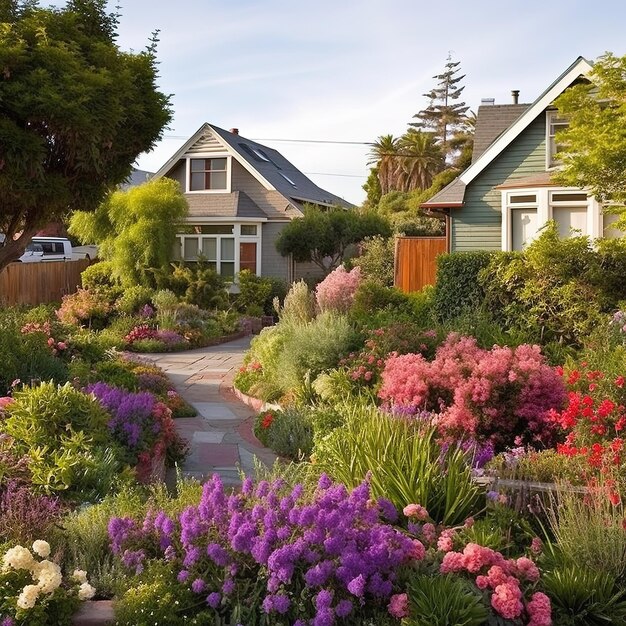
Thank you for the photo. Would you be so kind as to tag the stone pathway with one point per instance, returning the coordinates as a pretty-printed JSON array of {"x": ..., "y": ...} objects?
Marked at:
[{"x": 220, "y": 436}]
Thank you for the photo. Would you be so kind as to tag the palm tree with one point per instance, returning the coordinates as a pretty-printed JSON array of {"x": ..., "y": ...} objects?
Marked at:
[
  {"x": 421, "y": 159},
  {"x": 384, "y": 154}
]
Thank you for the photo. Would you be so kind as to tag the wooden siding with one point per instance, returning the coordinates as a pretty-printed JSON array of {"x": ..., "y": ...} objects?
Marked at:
[
  {"x": 478, "y": 225},
  {"x": 206, "y": 144},
  {"x": 415, "y": 261},
  {"x": 272, "y": 263},
  {"x": 40, "y": 283}
]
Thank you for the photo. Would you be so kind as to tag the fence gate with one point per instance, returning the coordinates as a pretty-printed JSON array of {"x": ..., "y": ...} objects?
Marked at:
[{"x": 415, "y": 264}]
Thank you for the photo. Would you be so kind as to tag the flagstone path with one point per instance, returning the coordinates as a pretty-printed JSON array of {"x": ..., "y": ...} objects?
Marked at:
[{"x": 220, "y": 437}]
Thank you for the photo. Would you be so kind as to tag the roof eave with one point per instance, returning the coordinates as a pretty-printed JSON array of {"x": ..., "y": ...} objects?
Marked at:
[
  {"x": 442, "y": 205},
  {"x": 580, "y": 67}
]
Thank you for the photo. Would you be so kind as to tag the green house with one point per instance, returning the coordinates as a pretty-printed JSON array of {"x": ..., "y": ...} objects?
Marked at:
[{"x": 507, "y": 194}]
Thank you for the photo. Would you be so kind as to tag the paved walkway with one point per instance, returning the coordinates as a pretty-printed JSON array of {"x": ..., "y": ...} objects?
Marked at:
[{"x": 220, "y": 436}]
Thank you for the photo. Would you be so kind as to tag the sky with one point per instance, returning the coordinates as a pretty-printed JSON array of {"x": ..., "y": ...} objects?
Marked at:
[{"x": 348, "y": 70}]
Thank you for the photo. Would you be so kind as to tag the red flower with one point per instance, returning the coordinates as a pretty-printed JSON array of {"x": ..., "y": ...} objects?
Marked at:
[
  {"x": 619, "y": 381},
  {"x": 267, "y": 420},
  {"x": 614, "y": 498}
]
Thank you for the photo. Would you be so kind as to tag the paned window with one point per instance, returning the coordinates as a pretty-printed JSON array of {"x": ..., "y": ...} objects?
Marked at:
[{"x": 206, "y": 174}]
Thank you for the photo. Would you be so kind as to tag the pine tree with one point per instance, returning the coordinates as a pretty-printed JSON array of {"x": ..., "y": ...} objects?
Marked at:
[{"x": 444, "y": 116}]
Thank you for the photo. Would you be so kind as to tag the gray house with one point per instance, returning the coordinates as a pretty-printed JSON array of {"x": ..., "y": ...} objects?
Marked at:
[
  {"x": 241, "y": 194},
  {"x": 507, "y": 194}
]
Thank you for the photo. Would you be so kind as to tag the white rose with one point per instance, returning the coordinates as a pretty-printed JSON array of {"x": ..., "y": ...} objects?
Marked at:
[
  {"x": 80, "y": 575},
  {"x": 86, "y": 592},
  {"x": 28, "y": 597},
  {"x": 42, "y": 548},
  {"x": 18, "y": 557}
]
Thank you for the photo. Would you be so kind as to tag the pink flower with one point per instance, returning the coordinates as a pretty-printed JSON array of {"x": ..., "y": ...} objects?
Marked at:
[
  {"x": 419, "y": 551},
  {"x": 429, "y": 532},
  {"x": 527, "y": 569},
  {"x": 452, "y": 562},
  {"x": 506, "y": 600},
  {"x": 539, "y": 610},
  {"x": 482, "y": 582},
  {"x": 445, "y": 543},
  {"x": 536, "y": 545},
  {"x": 476, "y": 557},
  {"x": 61, "y": 345},
  {"x": 415, "y": 510},
  {"x": 399, "y": 605}
]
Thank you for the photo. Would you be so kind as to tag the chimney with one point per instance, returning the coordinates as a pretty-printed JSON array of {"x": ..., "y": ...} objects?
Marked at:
[
  {"x": 234, "y": 131},
  {"x": 487, "y": 102},
  {"x": 515, "y": 94}
]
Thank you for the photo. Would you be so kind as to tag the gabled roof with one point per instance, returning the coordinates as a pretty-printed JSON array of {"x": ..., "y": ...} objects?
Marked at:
[
  {"x": 453, "y": 194},
  {"x": 267, "y": 165},
  {"x": 580, "y": 67},
  {"x": 491, "y": 122}
]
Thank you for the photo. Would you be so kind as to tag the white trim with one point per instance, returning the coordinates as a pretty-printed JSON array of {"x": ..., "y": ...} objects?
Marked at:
[
  {"x": 578, "y": 68},
  {"x": 200, "y": 156},
  {"x": 544, "y": 205},
  {"x": 218, "y": 219}
]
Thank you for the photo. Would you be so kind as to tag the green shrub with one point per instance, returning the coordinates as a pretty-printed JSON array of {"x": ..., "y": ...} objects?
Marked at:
[
  {"x": 311, "y": 348},
  {"x": 254, "y": 293},
  {"x": 116, "y": 372},
  {"x": 407, "y": 464},
  {"x": 299, "y": 305},
  {"x": 289, "y": 433},
  {"x": 99, "y": 275},
  {"x": 584, "y": 597},
  {"x": 376, "y": 260},
  {"x": 88, "y": 346},
  {"x": 371, "y": 297},
  {"x": 133, "y": 299},
  {"x": 198, "y": 284},
  {"x": 458, "y": 288},
  {"x": 444, "y": 601}
]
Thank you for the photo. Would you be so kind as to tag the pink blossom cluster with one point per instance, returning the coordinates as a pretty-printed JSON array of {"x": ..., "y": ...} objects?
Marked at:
[
  {"x": 495, "y": 394},
  {"x": 503, "y": 578},
  {"x": 336, "y": 292},
  {"x": 45, "y": 329}
]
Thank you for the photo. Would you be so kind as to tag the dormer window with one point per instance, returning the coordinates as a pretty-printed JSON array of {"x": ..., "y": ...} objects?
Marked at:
[
  {"x": 554, "y": 124},
  {"x": 208, "y": 174}
]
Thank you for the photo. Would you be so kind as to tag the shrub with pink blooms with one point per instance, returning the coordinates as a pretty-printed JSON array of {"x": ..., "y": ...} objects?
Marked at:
[
  {"x": 501, "y": 395},
  {"x": 336, "y": 291}
]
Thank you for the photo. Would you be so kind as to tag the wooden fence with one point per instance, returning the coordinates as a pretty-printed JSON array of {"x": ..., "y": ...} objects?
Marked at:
[
  {"x": 415, "y": 264},
  {"x": 40, "y": 283}
]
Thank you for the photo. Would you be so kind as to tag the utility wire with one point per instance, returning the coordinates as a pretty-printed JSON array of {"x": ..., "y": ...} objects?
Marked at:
[{"x": 327, "y": 141}]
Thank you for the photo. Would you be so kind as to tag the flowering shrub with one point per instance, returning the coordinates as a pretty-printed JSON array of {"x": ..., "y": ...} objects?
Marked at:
[
  {"x": 34, "y": 591},
  {"x": 322, "y": 558},
  {"x": 499, "y": 394},
  {"x": 594, "y": 418},
  {"x": 86, "y": 306},
  {"x": 507, "y": 584},
  {"x": 144, "y": 338},
  {"x": 336, "y": 291},
  {"x": 138, "y": 421},
  {"x": 366, "y": 366},
  {"x": 617, "y": 326},
  {"x": 248, "y": 375},
  {"x": 45, "y": 329}
]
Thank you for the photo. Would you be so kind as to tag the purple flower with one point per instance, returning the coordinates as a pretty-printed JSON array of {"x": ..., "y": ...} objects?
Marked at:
[
  {"x": 323, "y": 599},
  {"x": 213, "y": 599},
  {"x": 343, "y": 608},
  {"x": 183, "y": 575},
  {"x": 198, "y": 585},
  {"x": 228, "y": 586},
  {"x": 357, "y": 586},
  {"x": 388, "y": 510}
]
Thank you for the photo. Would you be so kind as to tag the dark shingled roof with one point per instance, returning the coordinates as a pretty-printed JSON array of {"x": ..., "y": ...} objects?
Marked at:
[
  {"x": 451, "y": 194},
  {"x": 137, "y": 177},
  {"x": 491, "y": 122},
  {"x": 278, "y": 171}
]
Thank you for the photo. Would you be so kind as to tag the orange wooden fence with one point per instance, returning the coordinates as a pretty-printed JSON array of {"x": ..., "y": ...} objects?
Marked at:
[
  {"x": 415, "y": 264},
  {"x": 39, "y": 283}
]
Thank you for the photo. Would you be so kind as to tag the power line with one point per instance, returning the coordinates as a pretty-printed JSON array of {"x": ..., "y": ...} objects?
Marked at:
[
  {"x": 325, "y": 141},
  {"x": 329, "y": 174}
]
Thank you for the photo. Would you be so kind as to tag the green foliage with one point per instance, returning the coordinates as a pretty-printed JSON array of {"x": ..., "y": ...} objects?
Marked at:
[
  {"x": 255, "y": 294},
  {"x": 289, "y": 433},
  {"x": 557, "y": 289},
  {"x": 372, "y": 188},
  {"x": 407, "y": 464},
  {"x": 322, "y": 237},
  {"x": 133, "y": 298},
  {"x": 584, "y": 597},
  {"x": 198, "y": 284},
  {"x": 135, "y": 230},
  {"x": 376, "y": 259},
  {"x": 594, "y": 144},
  {"x": 312, "y": 348},
  {"x": 443, "y": 601},
  {"x": 99, "y": 276},
  {"x": 64, "y": 434},
  {"x": 299, "y": 305},
  {"x": 96, "y": 109},
  {"x": 85, "y": 308},
  {"x": 458, "y": 288}
]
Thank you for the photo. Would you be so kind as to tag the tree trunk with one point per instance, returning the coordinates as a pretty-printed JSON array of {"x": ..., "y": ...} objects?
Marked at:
[{"x": 13, "y": 249}]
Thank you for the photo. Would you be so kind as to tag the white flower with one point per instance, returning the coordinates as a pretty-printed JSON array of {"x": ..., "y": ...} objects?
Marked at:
[
  {"x": 48, "y": 576},
  {"x": 42, "y": 548},
  {"x": 18, "y": 557},
  {"x": 80, "y": 575},
  {"x": 86, "y": 592},
  {"x": 28, "y": 597}
]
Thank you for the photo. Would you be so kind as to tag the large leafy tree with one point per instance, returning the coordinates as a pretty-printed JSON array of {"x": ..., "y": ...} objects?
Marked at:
[
  {"x": 135, "y": 230},
  {"x": 322, "y": 237},
  {"x": 594, "y": 144},
  {"x": 75, "y": 112},
  {"x": 445, "y": 115}
]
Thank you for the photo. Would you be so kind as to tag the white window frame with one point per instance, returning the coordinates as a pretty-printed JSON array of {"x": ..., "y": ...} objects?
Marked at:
[
  {"x": 211, "y": 155},
  {"x": 236, "y": 235},
  {"x": 551, "y": 163},
  {"x": 544, "y": 204}
]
